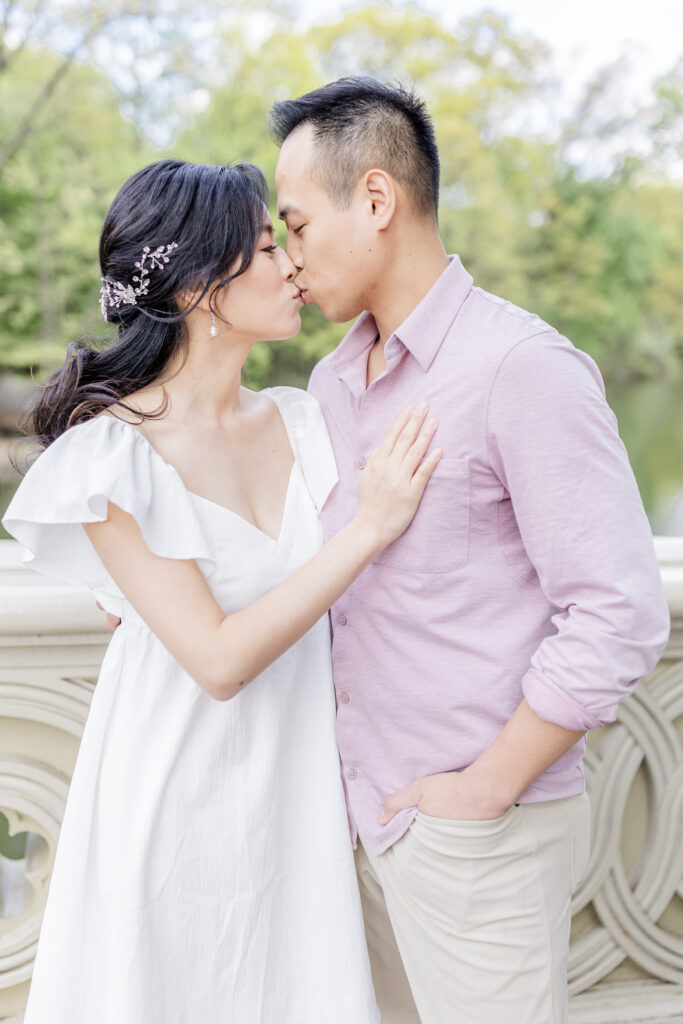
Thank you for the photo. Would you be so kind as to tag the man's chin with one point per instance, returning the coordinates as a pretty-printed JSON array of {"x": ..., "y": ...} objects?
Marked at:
[{"x": 333, "y": 313}]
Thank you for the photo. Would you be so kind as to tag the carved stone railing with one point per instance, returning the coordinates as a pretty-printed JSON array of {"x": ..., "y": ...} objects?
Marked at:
[
  {"x": 626, "y": 957},
  {"x": 51, "y": 644}
]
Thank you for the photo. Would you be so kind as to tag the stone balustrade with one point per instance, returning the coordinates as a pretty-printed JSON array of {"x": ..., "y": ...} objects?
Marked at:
[{"x": 626, "y": 956}]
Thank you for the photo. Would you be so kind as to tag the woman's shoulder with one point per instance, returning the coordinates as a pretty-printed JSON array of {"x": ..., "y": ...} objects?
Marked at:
[
  {"x": 119, "y": 425},
  {"x": 101, "y": 460},
  {"x": 78, "y": 436},
  {"x": 149, "y": 401},
  {"x": 286, "y": 392},
  {"x": 99, "y": 437},
  {"x": 310, "y": 439},
  {"x": 294, "y": 401},
  {"x": 102, "y": 448}
]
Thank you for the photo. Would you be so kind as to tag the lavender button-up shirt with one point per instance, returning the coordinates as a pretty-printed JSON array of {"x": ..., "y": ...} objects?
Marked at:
[{"x": 528, "y": 572}]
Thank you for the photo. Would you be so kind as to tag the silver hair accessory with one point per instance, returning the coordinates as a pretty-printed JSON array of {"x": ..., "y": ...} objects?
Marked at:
[{"x": 115, "y": 294}]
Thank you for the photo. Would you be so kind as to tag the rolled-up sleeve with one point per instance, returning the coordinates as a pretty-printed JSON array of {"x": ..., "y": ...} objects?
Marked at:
[{"x": 553, "y": 442}]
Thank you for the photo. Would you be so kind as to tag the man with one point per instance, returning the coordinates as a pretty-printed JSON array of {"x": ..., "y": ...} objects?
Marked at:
[{"x": 520, "y": 607}]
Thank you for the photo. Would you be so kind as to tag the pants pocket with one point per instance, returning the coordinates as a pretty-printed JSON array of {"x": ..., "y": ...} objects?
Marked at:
[
  {"x": 467, "y": 824},
  {"x": 578, "y": 811}
]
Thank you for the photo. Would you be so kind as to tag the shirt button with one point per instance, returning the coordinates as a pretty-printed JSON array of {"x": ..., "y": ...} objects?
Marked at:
[
  {"x": 342, "y": 620},
  {"x": 352, "y": 773},
  {"x": 360, "y": 463},
  {"x": 344, "y": 698}
]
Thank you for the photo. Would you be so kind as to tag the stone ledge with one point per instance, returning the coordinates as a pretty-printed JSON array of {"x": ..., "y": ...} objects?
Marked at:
[{"x": 32, "y": 605}]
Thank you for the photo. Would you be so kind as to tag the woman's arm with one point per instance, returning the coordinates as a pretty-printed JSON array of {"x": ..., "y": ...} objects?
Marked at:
[{"x": 224, "y": 653}]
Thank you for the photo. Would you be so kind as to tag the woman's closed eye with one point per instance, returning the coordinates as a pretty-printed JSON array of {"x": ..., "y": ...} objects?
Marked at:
[{"x": 270, "y": 248}]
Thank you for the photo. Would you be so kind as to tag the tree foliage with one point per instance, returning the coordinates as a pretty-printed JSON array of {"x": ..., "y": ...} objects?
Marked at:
[{"x": 578, "y": 219}]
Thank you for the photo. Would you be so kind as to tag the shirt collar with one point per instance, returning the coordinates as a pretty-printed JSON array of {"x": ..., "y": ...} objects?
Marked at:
[
  {"x": 422, "y": 332},
  {"x": 356, "y": 342}
]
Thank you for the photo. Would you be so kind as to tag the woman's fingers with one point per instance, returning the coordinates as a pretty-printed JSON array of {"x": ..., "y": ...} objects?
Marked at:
[
  {"x": 410, "y": 431},
  {"x": 389, "y": 440},
  {"x": 393, "y": 481},
  {"x": 403, "y": 431},
  {"x": 425, "y": 470},
  {"x": 416, "y": 452}
]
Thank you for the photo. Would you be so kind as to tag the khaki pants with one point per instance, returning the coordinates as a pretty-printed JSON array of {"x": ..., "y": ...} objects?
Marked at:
[{"x": 467, "y": 922}]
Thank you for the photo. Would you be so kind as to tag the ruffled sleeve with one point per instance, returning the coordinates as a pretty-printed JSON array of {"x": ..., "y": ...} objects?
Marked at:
[
  {"x": 104, "y": 459},
  {"x": 310, "y": 440}
]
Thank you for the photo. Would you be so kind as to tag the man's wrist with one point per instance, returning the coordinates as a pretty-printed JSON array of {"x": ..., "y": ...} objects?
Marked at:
[{"x": 495, "y": 789}]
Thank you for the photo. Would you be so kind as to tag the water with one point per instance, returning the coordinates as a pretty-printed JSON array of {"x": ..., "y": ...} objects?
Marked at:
[{"x": 650, "y": 418}]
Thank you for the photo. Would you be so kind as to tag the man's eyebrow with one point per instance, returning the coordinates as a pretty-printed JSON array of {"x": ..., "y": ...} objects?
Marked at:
[{"x": 285, "y": 211}]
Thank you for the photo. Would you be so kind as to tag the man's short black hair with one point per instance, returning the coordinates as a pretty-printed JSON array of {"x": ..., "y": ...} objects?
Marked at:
[{"x": 359, "y": 123}]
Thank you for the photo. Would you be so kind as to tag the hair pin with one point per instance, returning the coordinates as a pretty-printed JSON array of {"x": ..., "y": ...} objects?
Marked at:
[{"x": 115, "y": 294}]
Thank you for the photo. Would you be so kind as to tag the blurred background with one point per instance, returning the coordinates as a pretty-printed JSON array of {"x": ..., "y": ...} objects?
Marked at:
[{"x": 560, "y": 128}]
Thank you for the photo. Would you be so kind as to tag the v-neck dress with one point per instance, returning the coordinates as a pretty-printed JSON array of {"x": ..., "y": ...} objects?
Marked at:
[{"x": 204, "y": 872}]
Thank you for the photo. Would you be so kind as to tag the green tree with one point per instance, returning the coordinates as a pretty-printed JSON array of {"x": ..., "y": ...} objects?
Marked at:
[
  {"x": 573, "y": 220},
  {"x": 53, "y": 196}
]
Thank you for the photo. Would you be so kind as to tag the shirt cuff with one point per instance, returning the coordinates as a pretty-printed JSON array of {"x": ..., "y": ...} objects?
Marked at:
[{"x": 553, "y": 704}]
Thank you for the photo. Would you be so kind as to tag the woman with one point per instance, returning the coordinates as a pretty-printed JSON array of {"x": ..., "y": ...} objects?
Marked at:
[{"x": 204, "y": 870}]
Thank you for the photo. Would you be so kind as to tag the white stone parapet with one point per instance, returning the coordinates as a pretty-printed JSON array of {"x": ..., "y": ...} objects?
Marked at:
[{"x": 626, "y": 954}]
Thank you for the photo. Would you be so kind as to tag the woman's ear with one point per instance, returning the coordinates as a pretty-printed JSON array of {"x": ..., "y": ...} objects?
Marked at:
[
  {"x": 380, "y": 190},
  {"x": 187, "y": 299}
]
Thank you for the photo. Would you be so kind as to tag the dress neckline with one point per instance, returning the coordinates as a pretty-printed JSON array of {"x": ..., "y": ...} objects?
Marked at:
[{"x": 214, "y": 504}]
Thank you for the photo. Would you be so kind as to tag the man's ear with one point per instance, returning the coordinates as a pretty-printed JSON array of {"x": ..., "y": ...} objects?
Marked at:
[{"x": 380, "y": 193}]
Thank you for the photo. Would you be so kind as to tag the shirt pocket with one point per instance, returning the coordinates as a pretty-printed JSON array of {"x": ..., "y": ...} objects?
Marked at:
[{"x": 437, "y": 540}]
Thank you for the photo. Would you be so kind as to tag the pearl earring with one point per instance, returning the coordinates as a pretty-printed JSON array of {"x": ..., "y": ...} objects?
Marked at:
[{"x": 214, "y": 330}]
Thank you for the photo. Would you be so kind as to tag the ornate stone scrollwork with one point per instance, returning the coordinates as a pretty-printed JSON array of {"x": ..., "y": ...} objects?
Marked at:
[
  {"x": 51, "y": 644},
  {"x": 628, "y": 904},
  {"x": 32, "y": 796}
]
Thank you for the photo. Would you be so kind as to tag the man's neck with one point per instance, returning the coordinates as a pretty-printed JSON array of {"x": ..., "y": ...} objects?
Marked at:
[{"x": 416, "y": 269}]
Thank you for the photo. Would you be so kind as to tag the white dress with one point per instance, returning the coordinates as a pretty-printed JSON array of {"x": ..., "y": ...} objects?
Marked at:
[{"x": 204, "y": 872}]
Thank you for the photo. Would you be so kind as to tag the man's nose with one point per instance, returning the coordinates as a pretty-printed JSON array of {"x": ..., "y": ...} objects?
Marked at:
[
  {"x": 294, "y": 254},
  {"x": 289, "y": 269}
]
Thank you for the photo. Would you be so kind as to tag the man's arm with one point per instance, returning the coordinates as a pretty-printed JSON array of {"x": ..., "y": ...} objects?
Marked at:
[
  {"x": 554, "y": 445},
  {"x": 521, "y": 751}
]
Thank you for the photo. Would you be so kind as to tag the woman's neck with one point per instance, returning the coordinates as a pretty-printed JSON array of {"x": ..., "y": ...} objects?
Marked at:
[{"x": 204, "y": 383}]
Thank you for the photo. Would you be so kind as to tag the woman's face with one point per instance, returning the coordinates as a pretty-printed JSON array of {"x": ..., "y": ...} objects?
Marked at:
[{"x": 262, "y": 304}]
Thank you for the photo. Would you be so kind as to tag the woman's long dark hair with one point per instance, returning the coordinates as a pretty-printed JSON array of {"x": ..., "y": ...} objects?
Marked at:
[{"x": 215, "y": 216}]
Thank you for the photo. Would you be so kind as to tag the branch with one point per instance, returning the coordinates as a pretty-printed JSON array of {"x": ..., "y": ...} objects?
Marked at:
[
  {"x": 8, "y": 56},
  {"x": 10, "y": 147}
]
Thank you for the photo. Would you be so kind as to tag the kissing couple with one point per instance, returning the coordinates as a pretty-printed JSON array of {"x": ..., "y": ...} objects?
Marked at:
[{"x": 280, "y": 815}]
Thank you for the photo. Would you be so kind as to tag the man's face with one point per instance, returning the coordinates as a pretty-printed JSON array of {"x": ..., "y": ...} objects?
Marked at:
[{"x": 334, "y": 250}]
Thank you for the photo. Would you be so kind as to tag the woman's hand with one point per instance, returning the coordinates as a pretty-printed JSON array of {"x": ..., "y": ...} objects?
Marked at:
[
  {"x": 112, "y": 621},
  {"x": 394, "y": 478}
]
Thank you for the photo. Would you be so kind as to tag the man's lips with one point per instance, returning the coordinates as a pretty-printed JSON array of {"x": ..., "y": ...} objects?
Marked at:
[{"x": 301, "y": 294}]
